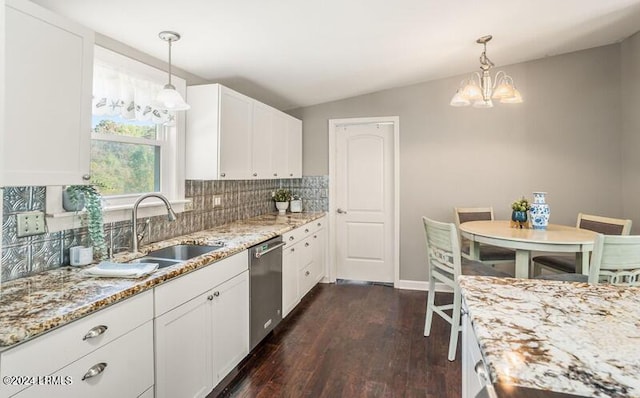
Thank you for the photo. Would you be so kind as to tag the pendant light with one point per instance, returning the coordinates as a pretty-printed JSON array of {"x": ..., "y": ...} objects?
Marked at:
[
  {"x": 168, "y": 98},
  {"x": 478, "y": 90}
]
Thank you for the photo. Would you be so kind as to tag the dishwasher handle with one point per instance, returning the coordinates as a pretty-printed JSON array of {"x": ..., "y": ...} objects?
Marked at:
[{"x": 272, "y": 248}]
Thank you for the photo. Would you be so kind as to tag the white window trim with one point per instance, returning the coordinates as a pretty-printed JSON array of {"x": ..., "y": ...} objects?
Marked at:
[{"x": 172, "y": 166}]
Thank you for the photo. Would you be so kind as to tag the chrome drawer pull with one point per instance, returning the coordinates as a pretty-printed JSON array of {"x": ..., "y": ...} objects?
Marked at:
[
  {"x": 95, "y": 332},
  {"x": 306, "y": 273},
  {"x": 306, "y": 244},
  {"x": 210, "y": 297},
  {"x": 306, "y": 230},
  {"x": 95, "y": 370},
  {"x": 291, "y": 238},
  {"x": 216, "y": 294}
]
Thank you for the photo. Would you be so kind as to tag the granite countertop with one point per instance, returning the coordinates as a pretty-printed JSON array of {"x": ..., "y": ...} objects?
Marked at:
[
  {"x": 34, "y": 305},
  {"x": 572, "y": 338}
]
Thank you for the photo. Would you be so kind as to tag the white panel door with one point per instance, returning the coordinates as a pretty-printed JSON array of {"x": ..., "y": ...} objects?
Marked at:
[{"x": 364, "y": 202}]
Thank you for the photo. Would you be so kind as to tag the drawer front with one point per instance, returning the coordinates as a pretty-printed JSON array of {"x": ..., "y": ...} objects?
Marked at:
[
  {"x": 182, "y": 289},
  {"x": 292, "y": 237},
  {"x": 127, "y": 371},
  {"x": 306, "y": 279},
  {"x": 58, "y": 348}
]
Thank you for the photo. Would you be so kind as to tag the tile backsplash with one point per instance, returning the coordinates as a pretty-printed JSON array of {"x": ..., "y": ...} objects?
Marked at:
[{"x": 240, "y": 199}]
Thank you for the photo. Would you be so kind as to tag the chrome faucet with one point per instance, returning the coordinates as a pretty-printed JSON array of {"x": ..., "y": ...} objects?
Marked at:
[{"x": 171, "y": 216}]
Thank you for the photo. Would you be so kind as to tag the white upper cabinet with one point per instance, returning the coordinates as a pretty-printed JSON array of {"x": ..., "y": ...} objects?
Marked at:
[
  {"x": 49, "y": 67},
  {"x": 231, "y": 136},
  {"x": 294, "y": 147}
]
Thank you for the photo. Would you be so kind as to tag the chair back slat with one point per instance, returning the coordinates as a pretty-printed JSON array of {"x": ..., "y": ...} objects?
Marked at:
[
  {"x": 616, "y": 260},
  {"x": 443, "y": 248},
  {"x": 604, "y": 225}
]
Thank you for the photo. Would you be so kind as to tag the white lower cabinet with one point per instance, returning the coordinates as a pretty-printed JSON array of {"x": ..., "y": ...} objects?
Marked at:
[
  {"x": 303, "y": 262},
  {"x": 106, "y": 354},
  {"x": 472, "y": 382},
  {"x": 201, "y": 340},
  {"x": 122, "y": 368},
  {"x": 184, "y": 355}
]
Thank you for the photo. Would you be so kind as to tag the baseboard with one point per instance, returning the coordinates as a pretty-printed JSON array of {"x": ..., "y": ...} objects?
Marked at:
[{"x": 421, "y": 285}]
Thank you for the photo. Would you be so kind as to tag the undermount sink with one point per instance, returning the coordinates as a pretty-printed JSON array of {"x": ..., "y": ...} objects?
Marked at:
[
  {"x": 183, "y": 252},
  {"x": 162, "y": 262}
]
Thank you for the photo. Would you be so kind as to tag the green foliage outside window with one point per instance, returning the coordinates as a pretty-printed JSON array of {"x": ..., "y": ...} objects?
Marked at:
[{"x": 125, "y": 168}]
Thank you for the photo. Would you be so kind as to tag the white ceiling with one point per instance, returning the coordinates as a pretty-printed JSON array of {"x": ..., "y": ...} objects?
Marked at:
[{"x": 292, "y": 53}]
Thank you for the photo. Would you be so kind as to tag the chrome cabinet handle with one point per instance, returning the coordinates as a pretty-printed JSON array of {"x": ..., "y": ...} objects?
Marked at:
[
  {"x": 86, "y": 177},
  {"x": 95, "y": 370},
  {"x": 319, "y": 224},
  {"x": 315, "y": 236},
  {"x": 210, "y": 297},
  {"x": 306, "y": 244},
  {"x": 275, "y": 174},
  {"x": 291, "y": 175},
  {"x": 255, "y": 174},
  {"x": 223, "y": 174},
  {"x": 291, "y": 238},
  {"x": 95, "y": 332},
  {"x": 293, "y": 249},
  {"x": 340, "y": 211},
  {"x": 306, "y": 273},
  {"x": 306, "y": 230},
  {"x": 216, "y": 294}
]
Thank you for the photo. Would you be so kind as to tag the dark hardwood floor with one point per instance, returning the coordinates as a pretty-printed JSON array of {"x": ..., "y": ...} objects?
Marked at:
[{"x": 350, "y": 340}]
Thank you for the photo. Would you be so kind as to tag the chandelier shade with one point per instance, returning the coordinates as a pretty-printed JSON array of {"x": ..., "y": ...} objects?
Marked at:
[{"x": 479, "y": 90}]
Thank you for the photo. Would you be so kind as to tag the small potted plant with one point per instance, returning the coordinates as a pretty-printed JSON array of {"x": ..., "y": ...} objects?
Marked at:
[
  {"x": 519, "y": 213},
  {"x": 88, "y": 197},
  {"x": 282, "y": 197}
]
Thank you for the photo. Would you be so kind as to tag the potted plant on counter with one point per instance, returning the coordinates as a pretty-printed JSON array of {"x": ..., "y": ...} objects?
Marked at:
[
  {"x": 78, "y": 197},
  {"x": 282, "y": 197}
]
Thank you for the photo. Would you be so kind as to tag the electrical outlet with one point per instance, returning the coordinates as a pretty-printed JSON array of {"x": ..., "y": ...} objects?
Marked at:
[
  {"x": 217, "y": 201},
  {"x": 31, "y": 223}
]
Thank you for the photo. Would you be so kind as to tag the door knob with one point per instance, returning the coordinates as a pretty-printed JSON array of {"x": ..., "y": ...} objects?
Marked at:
[{"x": 340, "y": 211}]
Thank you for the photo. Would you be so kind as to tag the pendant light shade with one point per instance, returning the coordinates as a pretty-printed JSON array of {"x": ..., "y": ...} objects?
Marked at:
[
  {"x": 478, "y": 90},
  {"x": 169, "y": 98}
]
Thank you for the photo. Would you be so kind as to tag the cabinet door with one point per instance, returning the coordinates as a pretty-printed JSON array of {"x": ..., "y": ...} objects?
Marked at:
[
  {"x": 262, "y": 141},
  {"x": 289, "y": 279},
  {"x": 230, "y": 324},
  {"x": 306, "y": 276},
  {"x": 235, "y": 135},
  {"x": 294, "y": 147},
  {"x": 49, "y": 68},
  {"x": 184, "y": 360},
  {"x": 280, "y": 149},
  {"x": 319, "y": 250}
]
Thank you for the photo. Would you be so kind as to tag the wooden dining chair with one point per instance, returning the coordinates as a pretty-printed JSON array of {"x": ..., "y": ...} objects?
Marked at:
[
  {"x": 491, "y": 255},
  {"x": 445, "y": 266},
  {"x": 615, "y": 260},
  {"x": 567, "y": 264}
]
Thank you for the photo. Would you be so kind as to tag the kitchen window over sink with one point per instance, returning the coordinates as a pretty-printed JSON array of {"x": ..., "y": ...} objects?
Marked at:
[{"x": 135, "y": 146}]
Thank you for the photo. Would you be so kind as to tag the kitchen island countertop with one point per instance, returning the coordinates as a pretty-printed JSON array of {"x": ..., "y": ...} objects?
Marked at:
[
  {"x": 572, "y": 338},
  {"x": 34, "y": 305}
]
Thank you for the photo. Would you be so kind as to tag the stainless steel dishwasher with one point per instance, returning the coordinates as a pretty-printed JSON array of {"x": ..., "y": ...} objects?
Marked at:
[{"x": 265, "y": 270}]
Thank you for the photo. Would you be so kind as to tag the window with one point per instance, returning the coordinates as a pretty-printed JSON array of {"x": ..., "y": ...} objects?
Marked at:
[{"x": 135, "y": 147}]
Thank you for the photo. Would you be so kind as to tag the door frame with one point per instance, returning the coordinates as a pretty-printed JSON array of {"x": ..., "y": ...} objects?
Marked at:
[{"x": 333, "y": 124}]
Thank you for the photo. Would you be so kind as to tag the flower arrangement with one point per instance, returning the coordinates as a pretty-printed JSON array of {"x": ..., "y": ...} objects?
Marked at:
[
  {"x": 281, "y": 195},
  {"x": 521, "y": 205}
]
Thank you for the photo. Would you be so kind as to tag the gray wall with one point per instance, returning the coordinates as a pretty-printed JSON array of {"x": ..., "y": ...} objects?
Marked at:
[
  {"x": 630, "y": 50},
  {"x": 564, "y": 139}
]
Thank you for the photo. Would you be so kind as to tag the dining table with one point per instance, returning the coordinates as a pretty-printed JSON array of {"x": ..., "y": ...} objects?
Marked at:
[{"x": 555, "y": 238}]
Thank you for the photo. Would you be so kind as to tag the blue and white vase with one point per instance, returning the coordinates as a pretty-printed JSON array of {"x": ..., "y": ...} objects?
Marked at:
[{"x": 539, "y": 211}]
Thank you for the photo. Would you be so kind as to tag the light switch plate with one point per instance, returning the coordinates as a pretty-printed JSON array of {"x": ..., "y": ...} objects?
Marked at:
[{"x": 31, "y": 223}]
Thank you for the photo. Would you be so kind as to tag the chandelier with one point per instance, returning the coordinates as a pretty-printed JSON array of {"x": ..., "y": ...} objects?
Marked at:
[{"x": 479, "y": 90}]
